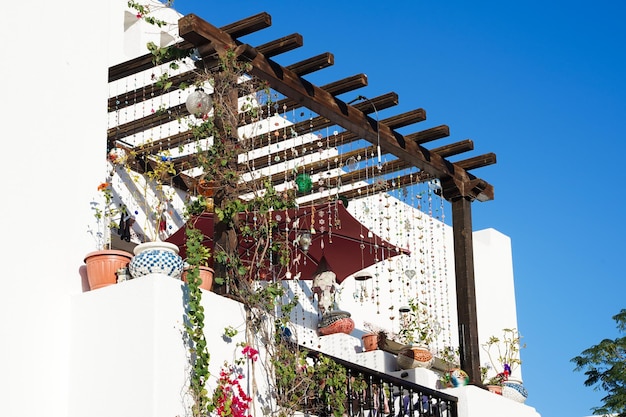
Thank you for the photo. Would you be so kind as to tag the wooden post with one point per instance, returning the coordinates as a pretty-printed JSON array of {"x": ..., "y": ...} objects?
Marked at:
[{"x": 466, "y": 288}]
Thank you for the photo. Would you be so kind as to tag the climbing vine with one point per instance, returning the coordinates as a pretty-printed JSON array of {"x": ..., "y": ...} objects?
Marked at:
[{"x": 295, "y": 376}]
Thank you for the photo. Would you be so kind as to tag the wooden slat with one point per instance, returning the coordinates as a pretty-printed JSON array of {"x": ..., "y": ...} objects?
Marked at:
[
  {"x": 358, "y": 191},
  {"x": 429, "y": 135},
  {"x": 237, "y": 29},
  {"x": 248, "y": 25},
  {"x": 312, "y": 64},
  {"x": 282, "y": 45},
  {"x": 454, "y": 148},
  {"x": 138, "y": 95},
  {"x": 147, "y": 122},
  {"x": 335, "y": 88},
  {"x": 477, "y": 161}
]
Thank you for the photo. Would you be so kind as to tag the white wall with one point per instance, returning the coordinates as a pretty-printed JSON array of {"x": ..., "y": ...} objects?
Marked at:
[
  {"x": 54, "y": 119},
  {"x": 128, "y": 353},
  {"x": 495, "y": 287},
  {"x": 54, "y": 100}
]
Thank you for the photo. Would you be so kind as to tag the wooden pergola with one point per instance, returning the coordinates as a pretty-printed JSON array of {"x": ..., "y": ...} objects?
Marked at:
[{"x": 459, "y": 186}]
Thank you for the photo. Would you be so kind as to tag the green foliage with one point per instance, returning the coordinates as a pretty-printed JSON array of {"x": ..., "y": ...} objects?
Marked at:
[
  {"x": 195, "y": 206},
  {"x": 604, "y": 365},
  {"x": 504, "y": 355},
  {"x": 230, "y": 332},
  {"x": 194, "y": 325},
  {"x": 318, "y": 382},
  {"x": 218, "y": 148},
  {"x": 332, "y": 381},
  {"x": 143, "y": 12},
  {"x": 418, "y": 326}
]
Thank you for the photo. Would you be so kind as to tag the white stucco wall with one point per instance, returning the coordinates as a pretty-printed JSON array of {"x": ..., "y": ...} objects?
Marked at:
[
  {"x": 53, "y": 113},
  {"x": 128, "y": 355},
  {"x": 54, "y": 131},
  {"x": 495, "y": 287}
]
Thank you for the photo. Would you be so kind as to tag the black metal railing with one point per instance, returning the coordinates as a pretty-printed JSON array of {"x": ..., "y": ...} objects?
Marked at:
[{"x": 374, "y": 394}]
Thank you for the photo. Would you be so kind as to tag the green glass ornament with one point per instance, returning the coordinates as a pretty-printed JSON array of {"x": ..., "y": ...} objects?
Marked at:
[{"x": 304, "y": 183}]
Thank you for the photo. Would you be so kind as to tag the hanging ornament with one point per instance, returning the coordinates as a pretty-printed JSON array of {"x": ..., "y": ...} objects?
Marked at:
[
  {"x": 117, "y": 156},
  {"x": 352, "y": 164},
  {"x": 344, "y": 200},
  {"x": 198, "y": 103},
  {"x": 304, "y": 183},
  {"x": 304, "y": 241}
]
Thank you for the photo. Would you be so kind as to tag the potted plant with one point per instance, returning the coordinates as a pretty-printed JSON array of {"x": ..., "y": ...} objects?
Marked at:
[
  {"x": 154, "y": 255},
  {"x": 418, "y": 331},
  {"x": 198, "y": 258},
  {"x": 372, "y": 338},
  {"x": 453, "y": 376},
  {"x": 504, "y": 358},
  {"x": 101, "y": 266}
]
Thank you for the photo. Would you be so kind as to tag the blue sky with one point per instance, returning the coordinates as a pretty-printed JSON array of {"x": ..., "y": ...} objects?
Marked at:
[{"x": 540, "y": 83}]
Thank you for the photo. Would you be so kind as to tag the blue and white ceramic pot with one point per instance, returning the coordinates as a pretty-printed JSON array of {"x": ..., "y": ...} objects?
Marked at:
[
  {"x": 513, "y": 389},
  {"x": 156, "y": 258}
]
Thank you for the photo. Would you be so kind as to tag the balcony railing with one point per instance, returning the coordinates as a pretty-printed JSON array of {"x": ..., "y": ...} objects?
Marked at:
[{"x": 383, "y": 396}]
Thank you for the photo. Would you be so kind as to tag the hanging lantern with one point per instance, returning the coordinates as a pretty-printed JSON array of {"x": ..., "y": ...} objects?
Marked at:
[
  {"x": 362, "y": 276},
  {"x": 304, "y": 241},
  {"x": 304, "y": 183},
  {"x": 198, "y": 103}
]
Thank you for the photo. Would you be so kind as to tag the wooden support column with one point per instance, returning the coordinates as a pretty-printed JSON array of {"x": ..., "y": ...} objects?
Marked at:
[{"x": 466, "y": 288}]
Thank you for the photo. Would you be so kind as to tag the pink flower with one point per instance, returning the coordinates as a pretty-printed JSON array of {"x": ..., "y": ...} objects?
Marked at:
[{"x": 251, "y": 353}]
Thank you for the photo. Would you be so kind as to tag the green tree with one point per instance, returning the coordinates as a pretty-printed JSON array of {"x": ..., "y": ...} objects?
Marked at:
[{"x": 605, "y": 367}]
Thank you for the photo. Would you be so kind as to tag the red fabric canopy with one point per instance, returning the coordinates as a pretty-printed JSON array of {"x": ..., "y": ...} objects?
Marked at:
[{"x": 340, "y": 243}]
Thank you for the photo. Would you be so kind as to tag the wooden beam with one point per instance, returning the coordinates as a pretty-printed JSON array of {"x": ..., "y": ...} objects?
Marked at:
[
  {"x": 477, "y": 161},
  {"x": 454, "y": 148},
  {"x": 466, "y": 288},
  {"x": 197, "y": 31},
  {"x": 150, "y": 91},
  {"x": 240, "y": 28},
  {"x": 147, "y": 122},
  {"x": 282, "y": 45},
  {"x": 429, "y": 135},
  {"x": 335, "y": 88},
  {"x": 248, "y": 25},
  {"x": 356, "y": 191},
  {"x": 312, "y": 64}
]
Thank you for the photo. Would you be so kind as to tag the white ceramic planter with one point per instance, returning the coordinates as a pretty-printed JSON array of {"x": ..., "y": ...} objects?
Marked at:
[{"x": 156, "y": 258}]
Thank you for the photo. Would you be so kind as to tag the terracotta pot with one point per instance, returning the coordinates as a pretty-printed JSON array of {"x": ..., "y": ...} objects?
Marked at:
[
  {"x": 207, "y": 188},
  {"x": 414, "y": 357},
  {"x": 335, "y": 322},
  {"x": 370, "y": 341},
  {"x": 206, "y": 275},
  {"x": 102, "y": 266}
]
